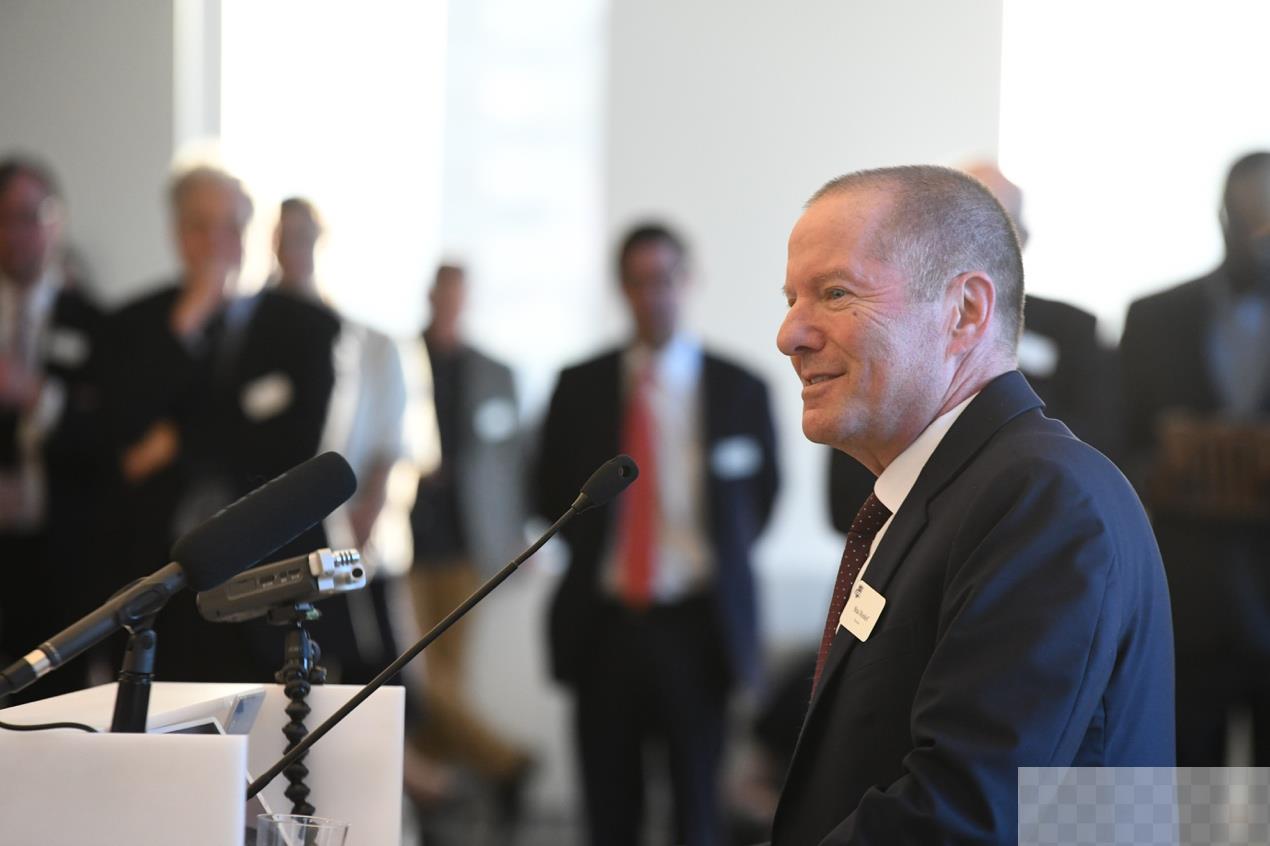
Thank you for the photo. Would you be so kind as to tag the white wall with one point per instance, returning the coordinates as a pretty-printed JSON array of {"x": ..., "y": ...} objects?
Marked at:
[
  {"x": 88, "y": 87},
  {"x": 724, "y": 117}
]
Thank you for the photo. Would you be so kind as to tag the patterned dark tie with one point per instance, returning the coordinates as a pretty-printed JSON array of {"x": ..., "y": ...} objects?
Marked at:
[{"x": 871, "y": 516}]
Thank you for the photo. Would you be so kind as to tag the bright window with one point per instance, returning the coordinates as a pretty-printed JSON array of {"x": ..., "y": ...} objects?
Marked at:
[
  {"x": 1119, "y": 121},
  {"x": 343, "y": 104}
]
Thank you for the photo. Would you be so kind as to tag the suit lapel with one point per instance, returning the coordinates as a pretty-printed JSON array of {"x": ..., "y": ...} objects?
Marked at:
[
  {"x": 602, "y": 411},
  {"x": 904, "y": 529},
  {"x": 715, "y": 388},
  {"x": 609, "y": 392}
]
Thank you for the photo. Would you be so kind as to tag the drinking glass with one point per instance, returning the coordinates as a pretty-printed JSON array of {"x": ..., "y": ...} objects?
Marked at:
[{"x": 299, "y": 830}]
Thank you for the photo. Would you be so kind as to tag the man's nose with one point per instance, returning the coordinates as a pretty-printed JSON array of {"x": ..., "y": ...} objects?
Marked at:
[{"x": 798, "y": 333}]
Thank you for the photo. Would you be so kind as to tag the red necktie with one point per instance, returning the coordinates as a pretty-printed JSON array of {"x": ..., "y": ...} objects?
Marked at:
[
  {"x": 637, "y": 545},
  {"x": 868, "y": 520}
]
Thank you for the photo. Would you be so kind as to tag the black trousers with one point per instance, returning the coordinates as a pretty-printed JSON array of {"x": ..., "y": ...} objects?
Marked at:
[
  {"x": 1219, "y": 585},
  {"x": 658, "y": 675}
]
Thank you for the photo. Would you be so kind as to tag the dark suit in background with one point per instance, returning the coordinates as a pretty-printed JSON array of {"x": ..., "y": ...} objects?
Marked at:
[
  {"x": 1026, "y": 624},
  {"x": 74, "y": 451},
  {"x": 665, "y": 670},
  {"x": 50, "y": 550},
  {"x": 249, "y": 401},
  {"x": 148, "y": 375},
  {"x": 473, "y": 505},
  {"x": 1219, "y": 570}
]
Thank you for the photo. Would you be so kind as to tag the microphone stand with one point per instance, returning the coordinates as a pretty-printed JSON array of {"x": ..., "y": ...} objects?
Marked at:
[
  {"x": 132, "y": 696},
  {"x": 406, "y": 657},
  {"x": 297, "y": 675}
]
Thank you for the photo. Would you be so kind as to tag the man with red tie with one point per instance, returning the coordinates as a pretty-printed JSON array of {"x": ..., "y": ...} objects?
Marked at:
[
  {"x": 1000, "y": 602},
  {"x": 655, "y": 620}
]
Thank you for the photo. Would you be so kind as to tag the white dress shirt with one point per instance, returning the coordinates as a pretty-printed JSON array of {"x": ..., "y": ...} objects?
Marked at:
[
  {"x": 1239, "y": 347},
  {"x": 24, "y": 329},
  {"x": 898, "y": 477},
  {"x": 683, "y": 563},
  {"x": 364, "y": 423}
]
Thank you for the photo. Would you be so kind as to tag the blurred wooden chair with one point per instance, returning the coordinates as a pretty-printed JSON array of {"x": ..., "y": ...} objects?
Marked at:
[{"x": 1212, "y": 469}]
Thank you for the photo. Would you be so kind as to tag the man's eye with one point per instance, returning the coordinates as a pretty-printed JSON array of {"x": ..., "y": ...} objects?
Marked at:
[{"x": 835, "y": 293}]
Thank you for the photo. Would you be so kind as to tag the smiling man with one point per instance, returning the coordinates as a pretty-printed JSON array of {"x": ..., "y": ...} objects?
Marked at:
[{"x": 1000, "y": 601}]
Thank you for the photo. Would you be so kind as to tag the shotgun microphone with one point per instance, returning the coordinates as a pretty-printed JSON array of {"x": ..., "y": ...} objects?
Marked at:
[{"x": 233, "y": 539}]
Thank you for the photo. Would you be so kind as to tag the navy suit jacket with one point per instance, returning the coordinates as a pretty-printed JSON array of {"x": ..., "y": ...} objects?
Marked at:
[
  {"x": 582, "y": 432},
  {"x": 1026, "y": 624}
]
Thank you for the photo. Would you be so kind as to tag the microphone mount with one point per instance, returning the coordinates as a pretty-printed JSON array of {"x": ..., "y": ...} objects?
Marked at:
[{"x": 132, "y": 695}]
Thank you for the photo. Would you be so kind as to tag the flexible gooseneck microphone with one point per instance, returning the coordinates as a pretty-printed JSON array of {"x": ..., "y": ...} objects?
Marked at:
[
  {"x": 605, "y": 484},
  {"x": 233, "y": 539}
]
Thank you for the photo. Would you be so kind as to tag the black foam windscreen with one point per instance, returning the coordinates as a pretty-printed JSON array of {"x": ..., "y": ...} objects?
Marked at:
[
  {"x": 612, "y": 477},
  {"x": 243, "y": 533}
]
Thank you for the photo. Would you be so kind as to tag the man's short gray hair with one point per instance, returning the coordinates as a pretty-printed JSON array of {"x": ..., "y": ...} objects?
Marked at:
[
  {"x": 942, "y": 223},
  {"x": 184, "y": 181}
]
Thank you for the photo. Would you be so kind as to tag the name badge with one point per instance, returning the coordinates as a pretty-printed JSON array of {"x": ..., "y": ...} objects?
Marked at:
[
  {"x": 1037, "y": 354},
  {"x": 495, "y": 420},
  {"x": 736, "y": 457},
  {"x": 268, "y": 396},
  {"x": 862, "y": 611},
  {"x": 67, "y": 347}
]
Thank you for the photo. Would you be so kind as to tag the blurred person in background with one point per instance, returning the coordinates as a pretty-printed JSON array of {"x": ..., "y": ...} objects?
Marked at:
[
  {"x": 364, "y": 422},
  {"x": 655, "y": 620},
  {"x": 50, "y": 468},
  {"x": 211, "y": 394},
  {"x": 467, "y": 522},
  {"x": 1059, "y": 351},
  {"x": 1196, "y": 361}
]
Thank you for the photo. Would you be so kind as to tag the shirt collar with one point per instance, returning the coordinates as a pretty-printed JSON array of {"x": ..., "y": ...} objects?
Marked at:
[
  {"x": 676, "y": 364},
  {"x": 239, "y": 309},
  {"x": 38, "y": 299},
  {"x": 898, "y": 478}
]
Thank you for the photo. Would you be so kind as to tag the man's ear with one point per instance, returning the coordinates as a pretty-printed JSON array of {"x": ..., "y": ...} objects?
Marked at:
[{"x": 973, "y": 298}]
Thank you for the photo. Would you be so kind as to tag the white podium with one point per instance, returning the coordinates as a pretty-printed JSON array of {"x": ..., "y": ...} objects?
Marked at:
[{"x": 69, "y": 787}]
